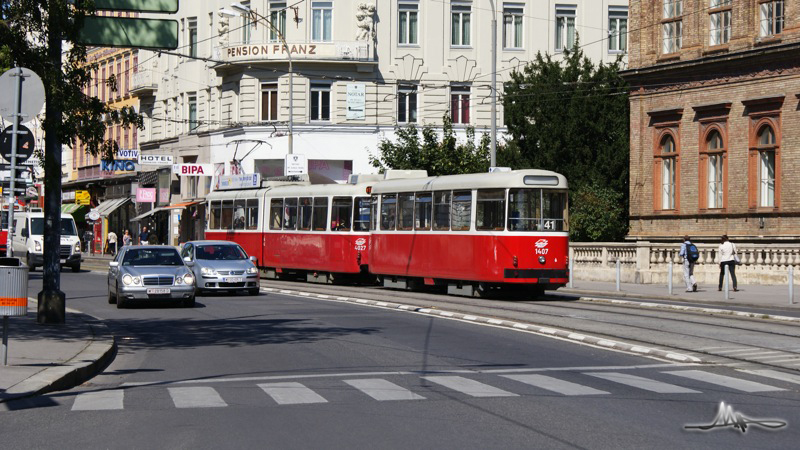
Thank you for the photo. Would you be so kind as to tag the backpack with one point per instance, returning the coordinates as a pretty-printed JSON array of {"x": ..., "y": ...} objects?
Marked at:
[{"x": 692, "y": 254}]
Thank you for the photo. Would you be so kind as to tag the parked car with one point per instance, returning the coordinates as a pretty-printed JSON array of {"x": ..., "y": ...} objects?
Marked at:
[
  {"x": 221, "y": 266},
  {"x": 150, "y": 272}
]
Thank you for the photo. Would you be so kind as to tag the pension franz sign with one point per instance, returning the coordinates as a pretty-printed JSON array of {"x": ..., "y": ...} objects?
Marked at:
[{"x": 323, "y": 51}]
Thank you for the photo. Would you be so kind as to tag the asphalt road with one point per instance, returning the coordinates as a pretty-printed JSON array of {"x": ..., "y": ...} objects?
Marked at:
[{"x": 284, "y": 371}]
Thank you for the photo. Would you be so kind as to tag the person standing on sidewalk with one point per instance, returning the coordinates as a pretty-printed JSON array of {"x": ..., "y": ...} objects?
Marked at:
[
  {"x": 727, "y": 258},
  {"x": 690, "y": 256},
  {"x": 126, "y": 238},
  {"x": 143, "y": 236},
  {"x": 111, "y": 242}
]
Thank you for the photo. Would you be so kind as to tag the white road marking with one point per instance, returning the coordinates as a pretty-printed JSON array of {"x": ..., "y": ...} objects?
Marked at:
[
  {"x": 383, "y": 390},
  {"x": 97, "y": 401},
  {"x": 555, "y": 385},
  {"x": 725, "y": 381},
  {"x": 291, "y": 393},
  {"x": 791, "y": 378},
  {"x": 470, "y": 387},
  {"x": 196, "y": 397},
  {"x": 642, "y": 383}
]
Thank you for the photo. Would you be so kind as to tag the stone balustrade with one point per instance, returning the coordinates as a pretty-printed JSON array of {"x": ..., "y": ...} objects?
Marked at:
[{"x": 647, "y": 262}]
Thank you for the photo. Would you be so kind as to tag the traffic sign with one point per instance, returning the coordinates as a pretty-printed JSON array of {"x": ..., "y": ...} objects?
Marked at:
[
  {"x": 25, "y": 143},
  {"x": 107, "y": 31},
  {"x": 31, "y": 95},
  {"x": 156, "y": 6}
]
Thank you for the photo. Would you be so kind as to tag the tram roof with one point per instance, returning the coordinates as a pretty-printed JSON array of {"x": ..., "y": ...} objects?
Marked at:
[{"x": 530, "y": 178}]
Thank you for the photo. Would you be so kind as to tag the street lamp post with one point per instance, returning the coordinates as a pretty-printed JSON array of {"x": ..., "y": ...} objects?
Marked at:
[{"x": 247, "y": 11}]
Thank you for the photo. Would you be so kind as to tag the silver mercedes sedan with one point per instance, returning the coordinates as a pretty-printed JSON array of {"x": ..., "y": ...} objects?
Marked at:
[
  {"x": 221, "y": 266},
  {"x": 150, "y": 272}
]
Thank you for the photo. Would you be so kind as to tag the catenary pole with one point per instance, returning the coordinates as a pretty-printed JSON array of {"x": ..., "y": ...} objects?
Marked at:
[
  {"x": 14, "y": 142},
  {"x": 493, "y": 148}
]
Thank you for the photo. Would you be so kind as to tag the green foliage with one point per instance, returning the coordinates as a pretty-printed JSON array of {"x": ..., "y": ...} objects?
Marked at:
[
  {"x": 597, "y": 213},
  {"x": 572, "y": 117},
  {"x": 415, "y": 150},
  {"x": 28, "y": 30}
]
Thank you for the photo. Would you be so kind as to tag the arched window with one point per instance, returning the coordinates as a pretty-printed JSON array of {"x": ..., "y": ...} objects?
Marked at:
[
  {"x": 715, "y": 149},
  {"x": 767, "y": 145},
  {"x": 669, "y": 156}
]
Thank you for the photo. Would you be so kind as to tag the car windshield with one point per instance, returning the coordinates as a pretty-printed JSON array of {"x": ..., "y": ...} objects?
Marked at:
[
  {"x": 220, "y": 252},
  {"x": 152, "y": 257},
  {"x": 67, "y": 227}
]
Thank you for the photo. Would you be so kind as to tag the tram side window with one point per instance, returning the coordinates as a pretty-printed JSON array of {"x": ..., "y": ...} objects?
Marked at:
[
  {"x": 227, "y": 214},
  {"x": 524, "y": 209},
  {"x": 305, "y": 214},
  {"x": 239, "y": 214},
  {"x": 441, "y": 210},
  {"x": 341, "y": 212},
  {"x": 290, "y": 214},
  {"x": 252, "y": 213},
  {"x": 388, "y": 211},
  {"x": 491, "y": 209},
  {"x": 3, "y": 220},
  {"x": 461, "y": 210},
  {"x": 554, "y": 211},
  {"x": 216, "y": 215},
  {"x": 405, "y": 207},
  {"x": 423, "y": 210},
  {"x": 320, "y": 220},
  {"x": 361, "y": 213},
  {"x": 374, "y": 215},
  {"x": 275, "y": 213}
]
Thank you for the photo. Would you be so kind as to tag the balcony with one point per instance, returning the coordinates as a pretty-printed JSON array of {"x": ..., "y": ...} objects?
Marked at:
[
  {"x": 144, "y": 83},
  {"x": 334, "y": 52}
]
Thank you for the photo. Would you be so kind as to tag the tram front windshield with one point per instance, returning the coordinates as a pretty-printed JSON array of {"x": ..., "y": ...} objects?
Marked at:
[{"x": 537, "y": 210}]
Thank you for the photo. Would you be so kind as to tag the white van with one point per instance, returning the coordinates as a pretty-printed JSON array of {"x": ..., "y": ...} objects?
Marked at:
[{"x": 28, "y": 240}]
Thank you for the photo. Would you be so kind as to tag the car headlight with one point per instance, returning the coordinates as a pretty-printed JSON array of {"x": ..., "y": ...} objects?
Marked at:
[
  {"x": 188, "y": 278},
  {"x": 178, "y": 280},
  {"x": 37, "y": 246},
  {"x": 207, "y": 271},
  {"x": 127, "y": 280},
  {"x": 252, "y": 270},
  {"x": 77, "y": 247},
  {"x": 137, "y": 281}
]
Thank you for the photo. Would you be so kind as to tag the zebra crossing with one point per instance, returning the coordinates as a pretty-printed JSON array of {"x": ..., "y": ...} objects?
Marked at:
[{"x": 284, "y": 393}]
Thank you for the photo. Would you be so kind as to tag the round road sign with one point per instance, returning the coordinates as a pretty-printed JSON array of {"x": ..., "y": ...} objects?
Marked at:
[
  {"x": 31, "y": 97},
  {"x": 25, "y": 143}
]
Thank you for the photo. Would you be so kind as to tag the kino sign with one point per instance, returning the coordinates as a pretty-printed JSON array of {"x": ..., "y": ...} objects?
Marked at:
[{"x": 193, "y": 170}]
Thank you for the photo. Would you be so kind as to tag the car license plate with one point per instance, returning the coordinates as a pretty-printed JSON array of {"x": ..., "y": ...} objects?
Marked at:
[
  {"x": 233, "y": 280},
  {"x": 158, "y": 290}
]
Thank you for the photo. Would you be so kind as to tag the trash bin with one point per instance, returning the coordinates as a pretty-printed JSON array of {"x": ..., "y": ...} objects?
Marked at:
[{"x": 13, "y": 287}]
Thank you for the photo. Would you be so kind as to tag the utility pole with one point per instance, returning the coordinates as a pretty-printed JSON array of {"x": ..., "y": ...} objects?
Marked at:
[
  {"x": 52, "y": 302},
  {"x": 493, "y": 149}
]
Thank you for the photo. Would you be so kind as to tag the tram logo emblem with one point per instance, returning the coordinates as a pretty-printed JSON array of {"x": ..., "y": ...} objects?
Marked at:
[
  {"x": 361, "y": 244},
  {"x": 541, "y": 243}
]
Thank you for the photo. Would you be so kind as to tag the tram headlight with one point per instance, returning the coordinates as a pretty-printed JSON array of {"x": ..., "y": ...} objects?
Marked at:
[{"x": 542, "y": 260}]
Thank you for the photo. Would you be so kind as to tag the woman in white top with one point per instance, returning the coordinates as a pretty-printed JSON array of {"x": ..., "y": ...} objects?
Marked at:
[{"x": 727, "y": 252}]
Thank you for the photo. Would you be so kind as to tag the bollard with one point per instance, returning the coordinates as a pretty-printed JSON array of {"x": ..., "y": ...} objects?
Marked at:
[
  {"x": 669, "y": 278},
  {"x": 569, "y": 285},
  {"x": 791, "y": 285},
  {"x": 727, "y": 274},
  {"x": 618, "y": 274}
]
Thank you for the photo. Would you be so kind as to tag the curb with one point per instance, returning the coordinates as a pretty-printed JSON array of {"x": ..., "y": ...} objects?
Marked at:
[
  {"x": 510, "y": 324},
  {"x": 82, "y": 367},
  {"x": 582, "y": 292}
]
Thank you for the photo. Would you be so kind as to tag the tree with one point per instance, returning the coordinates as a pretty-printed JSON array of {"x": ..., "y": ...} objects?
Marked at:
[
  {"x": 572, "y": 117},
  {"x": 439, "y": 157}
]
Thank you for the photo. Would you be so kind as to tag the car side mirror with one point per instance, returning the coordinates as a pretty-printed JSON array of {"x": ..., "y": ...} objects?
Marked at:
[
  {"x": 187, "y": 258},
  {"x": 113, "y": 264},
  {"x": 253, "y": 258},
  {"x": 189, "y": 262}
]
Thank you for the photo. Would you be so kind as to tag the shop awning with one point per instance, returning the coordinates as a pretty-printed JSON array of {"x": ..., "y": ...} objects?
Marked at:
[
  {"x": 109, "y": 206},
  {"x": 71, "y": 208},
  {"x": 181, "y": 205},
  {"x": 147, "y": 214}
]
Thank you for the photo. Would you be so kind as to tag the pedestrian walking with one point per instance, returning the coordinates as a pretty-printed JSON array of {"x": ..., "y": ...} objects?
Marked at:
[
  {"x": 690, "y": 256},
  {"x": 126, "y": 238},
  {"x": 143, "y": 236},
  {"x": 111, "y": 243},
  {"x": 727, "y": 258}
]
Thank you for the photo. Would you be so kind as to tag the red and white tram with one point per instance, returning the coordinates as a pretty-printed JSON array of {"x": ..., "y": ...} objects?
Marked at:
[{"x": 472, "y": 233}]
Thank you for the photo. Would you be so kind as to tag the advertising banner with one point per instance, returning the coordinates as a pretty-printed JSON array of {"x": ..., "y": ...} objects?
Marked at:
[
  {"x": 193, "y": 170},
  {"x": 146, "y": 195}
]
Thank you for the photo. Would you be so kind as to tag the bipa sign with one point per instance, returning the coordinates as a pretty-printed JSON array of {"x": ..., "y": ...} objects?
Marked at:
[{"x": 193, "y": 170}]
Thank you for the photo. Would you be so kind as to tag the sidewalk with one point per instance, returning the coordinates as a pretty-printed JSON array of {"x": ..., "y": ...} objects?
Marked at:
[{"x": 45, "y": 358}]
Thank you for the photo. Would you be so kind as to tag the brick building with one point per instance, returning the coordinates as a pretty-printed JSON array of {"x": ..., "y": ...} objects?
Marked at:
[{"x": 715, "y": 119}]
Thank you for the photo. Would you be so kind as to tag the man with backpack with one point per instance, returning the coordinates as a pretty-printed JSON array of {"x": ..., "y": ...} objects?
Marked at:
[{"x": 690, "y": 256}]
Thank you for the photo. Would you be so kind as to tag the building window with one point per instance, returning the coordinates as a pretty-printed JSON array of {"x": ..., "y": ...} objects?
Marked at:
[
  {"x": 321, "y": 21},
  {"x": 668, "y": 157},
  {"x": 320, "y": 101},
  {"x": 269, "y": 102},
  {"x": 406, "y": 103},
  {"x": 247, "y": 26},
  {"x": 277, "y": 15},
  {"x": 672, "y": 26},
  {"x": 617, "y": 29},
  {"x": 512, "y": 26},
  {"x": 127, "y": 76},
  {"x": 408, "y": 23},
  {"x": 460, "y": 24},
  {"x": 712, "y": 162},
  {"x": 720, "y": 22},
  {"x": 193, "y": 37},
  {"x": 767, "y": 145},
  {"x": 459, "y": 104},
  {"x": 565, "y": 27},
  {"x": 192, "y": 101},
  {"x": 771, "y": 18}
]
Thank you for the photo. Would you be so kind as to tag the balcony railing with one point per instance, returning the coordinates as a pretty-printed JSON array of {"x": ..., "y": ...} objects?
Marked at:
[
  {"x": 315, "y": 51},
  {"x": 144, "y": 83}
]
